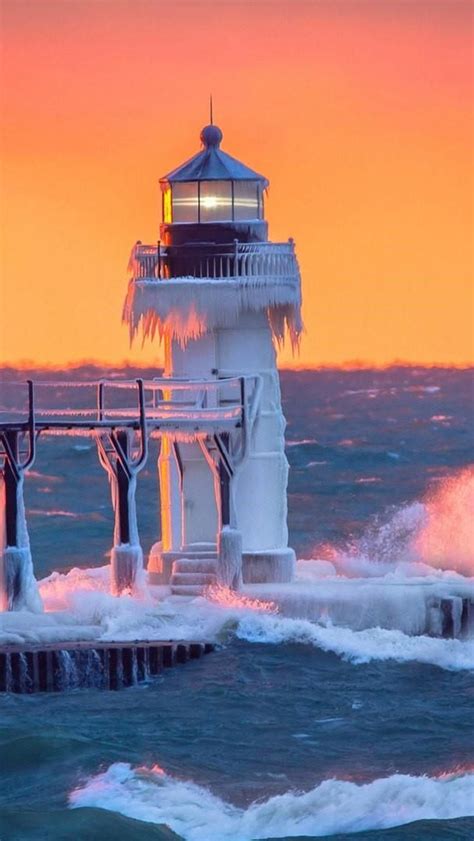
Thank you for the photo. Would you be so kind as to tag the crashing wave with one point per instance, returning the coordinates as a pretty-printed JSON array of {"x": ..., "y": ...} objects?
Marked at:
[{"x": 191, "y": 810}]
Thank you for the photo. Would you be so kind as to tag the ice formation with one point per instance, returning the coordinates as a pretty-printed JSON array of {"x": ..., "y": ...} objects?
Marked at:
[
  {"x": 79, "y": 606},
  {"x": 18, "y": 587},
  {"x": 183, "y": 311},
  {"x": 229, "y": 564},
  {"x": 127, "y": 569}
]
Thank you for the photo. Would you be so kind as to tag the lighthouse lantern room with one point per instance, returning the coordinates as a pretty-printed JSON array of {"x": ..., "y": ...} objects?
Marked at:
[{"x": 220, "y": 296}]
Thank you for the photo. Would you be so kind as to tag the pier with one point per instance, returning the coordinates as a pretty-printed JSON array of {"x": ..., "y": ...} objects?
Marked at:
[
  {"x": 90, "y": 665},
  {"x": 121, "y": 416}
]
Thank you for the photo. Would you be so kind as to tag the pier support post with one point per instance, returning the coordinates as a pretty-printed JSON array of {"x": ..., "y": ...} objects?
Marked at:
[
  {"x": 229, "y": 559},
  {"x": 122, "y": 466},
  {"x": 229, "y": 539},
  {"x": 18, "y": 588}
]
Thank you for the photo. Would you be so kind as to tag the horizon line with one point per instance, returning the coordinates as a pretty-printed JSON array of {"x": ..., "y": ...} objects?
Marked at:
[{"x": 348, "y": 365}]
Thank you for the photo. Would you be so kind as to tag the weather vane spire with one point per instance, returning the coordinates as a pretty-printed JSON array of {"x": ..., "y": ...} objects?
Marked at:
[{"x": 211, "y": 120}]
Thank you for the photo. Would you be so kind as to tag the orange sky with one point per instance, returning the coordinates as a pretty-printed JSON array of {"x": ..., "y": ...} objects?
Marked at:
[{"x": 359, "y": 112}]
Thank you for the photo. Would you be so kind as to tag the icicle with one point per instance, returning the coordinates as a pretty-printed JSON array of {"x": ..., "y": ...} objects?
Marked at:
[{"x": 186, "y": 308}]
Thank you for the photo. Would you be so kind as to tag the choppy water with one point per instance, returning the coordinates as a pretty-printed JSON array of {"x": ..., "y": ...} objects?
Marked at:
[{"x": 323, "y": 745}]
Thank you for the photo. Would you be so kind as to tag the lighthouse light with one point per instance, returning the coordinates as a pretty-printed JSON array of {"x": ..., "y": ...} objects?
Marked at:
[
  {"x": 215, "y": 201},
  {"x": 209, "y": 201}
]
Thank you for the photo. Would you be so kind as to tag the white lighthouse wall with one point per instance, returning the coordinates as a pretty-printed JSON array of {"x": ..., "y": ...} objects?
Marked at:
[
  {"x": 259, "y": 493},
  {"x": 189, "y": 513},
  {"x": 192, "y": 509},
  {"x": 200, "y": 509}
]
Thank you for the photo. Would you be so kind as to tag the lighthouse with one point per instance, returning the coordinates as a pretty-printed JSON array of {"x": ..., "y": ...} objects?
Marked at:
[{"x": 221, "y": 297}]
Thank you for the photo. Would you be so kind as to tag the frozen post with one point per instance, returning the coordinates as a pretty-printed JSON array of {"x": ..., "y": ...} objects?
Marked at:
[
  {"x": 229, "y": 561},
  {"x": 116, "y": 457}
]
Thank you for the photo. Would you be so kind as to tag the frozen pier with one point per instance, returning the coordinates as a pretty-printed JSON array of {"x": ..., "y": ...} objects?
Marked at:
[
  {"x": 121, "y": 416},
  {"x": 99, "y": 665},
  {"x": 417, "y": 607}
]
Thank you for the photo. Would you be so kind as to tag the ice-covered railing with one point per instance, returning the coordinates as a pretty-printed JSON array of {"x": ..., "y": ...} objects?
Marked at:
[
  {"x": 188, "y": 405},
  {"x": 240, "y": 259},
  {"x": 186, "y": 291}
]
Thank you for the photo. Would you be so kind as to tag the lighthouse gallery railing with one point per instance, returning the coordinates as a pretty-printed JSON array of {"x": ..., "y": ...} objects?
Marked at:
[{"x": 238, "y": 259}]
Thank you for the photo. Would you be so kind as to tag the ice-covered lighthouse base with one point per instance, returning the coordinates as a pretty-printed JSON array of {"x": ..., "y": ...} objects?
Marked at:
[{"x": 193, "y": 493}]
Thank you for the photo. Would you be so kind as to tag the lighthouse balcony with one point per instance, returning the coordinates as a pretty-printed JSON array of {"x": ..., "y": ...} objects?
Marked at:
[
  {"x": 276, "y": 260},
  {"x": 186, "y": 291}
]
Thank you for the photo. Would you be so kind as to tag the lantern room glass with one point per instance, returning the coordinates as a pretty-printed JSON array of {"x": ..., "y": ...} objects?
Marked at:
[
  {"x": 185, "y": 202},
  {"x": 213, "y": 201},
  {"x": 246, "y": 200}
]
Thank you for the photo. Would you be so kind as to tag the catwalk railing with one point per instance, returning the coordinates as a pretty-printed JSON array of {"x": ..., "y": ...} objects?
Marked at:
[{"x": 162, "y": 404}]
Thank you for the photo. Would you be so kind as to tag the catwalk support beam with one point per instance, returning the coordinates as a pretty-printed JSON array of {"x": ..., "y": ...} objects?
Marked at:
[
  {"x": 18, "y": 587},
  {"x": 122, "y": 465}
]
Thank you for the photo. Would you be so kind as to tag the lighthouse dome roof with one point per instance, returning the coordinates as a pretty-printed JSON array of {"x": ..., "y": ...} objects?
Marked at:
[{"x": 213, "y": 164}]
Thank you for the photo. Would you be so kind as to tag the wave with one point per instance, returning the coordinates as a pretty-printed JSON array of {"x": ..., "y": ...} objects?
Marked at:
[
  {"x": 358, "y": 621},
  {"x": 195, "y": 813},
  {"x": 383, "y": 615},
  {"x": 55, "y": 512},
  {"x": 433, "y": 534},
  {"x": 358, "y": 646},
  {"x": 78, "y": 607}
]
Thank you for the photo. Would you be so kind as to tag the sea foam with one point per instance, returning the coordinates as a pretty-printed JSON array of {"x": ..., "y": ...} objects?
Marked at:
[
  {"x": 196, "y": 814},
  {"x": 358, "y": 646}
]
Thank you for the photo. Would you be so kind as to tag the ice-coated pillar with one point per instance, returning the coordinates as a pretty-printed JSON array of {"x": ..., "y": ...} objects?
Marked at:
[
  {"x": 18, "y": 587},
  {"x": 127, "y": 555}
]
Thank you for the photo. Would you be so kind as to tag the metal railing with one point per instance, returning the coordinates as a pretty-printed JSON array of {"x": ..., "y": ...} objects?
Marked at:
[
  {"x": 161, "y": 403},
  {"x": 238, "y": 259}
]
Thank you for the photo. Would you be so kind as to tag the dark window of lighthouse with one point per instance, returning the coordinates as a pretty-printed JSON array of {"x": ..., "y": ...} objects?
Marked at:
[
  {"x": 185, "y": 202},
  {"x": 215, "y": 202},
  {"x": 246, "y": 200}
]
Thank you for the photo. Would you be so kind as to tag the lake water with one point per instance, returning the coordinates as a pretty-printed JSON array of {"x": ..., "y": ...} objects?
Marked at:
[{"x": 267, "y": 740}]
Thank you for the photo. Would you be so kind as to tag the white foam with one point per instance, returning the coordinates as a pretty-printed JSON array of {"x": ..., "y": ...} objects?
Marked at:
[
  {"x": 332, "y": 806},
  {"x": 358, "y": 646},
  {"x": 435, "y": 534},
  {"x": 80, "y": 606}
]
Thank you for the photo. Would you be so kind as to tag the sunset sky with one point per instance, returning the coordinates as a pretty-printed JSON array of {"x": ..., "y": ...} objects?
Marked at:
[{"x": 359, "y": 113}]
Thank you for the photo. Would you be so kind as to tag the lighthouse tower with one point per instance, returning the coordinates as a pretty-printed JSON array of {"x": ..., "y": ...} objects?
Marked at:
[{"x": 221, "y": 297}]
